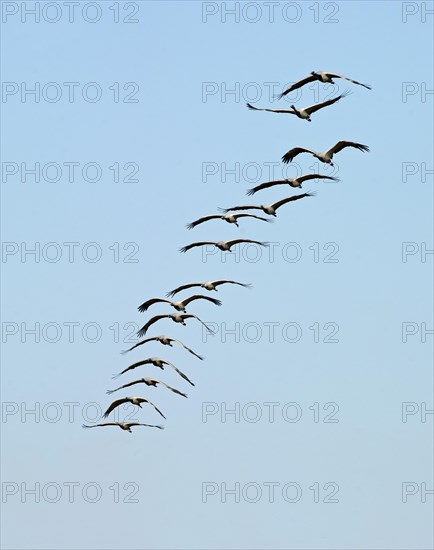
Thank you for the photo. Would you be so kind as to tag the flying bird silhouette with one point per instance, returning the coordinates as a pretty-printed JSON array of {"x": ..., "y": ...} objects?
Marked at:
[
  {"x": 124, "y": 425},
  {"x": 156, "y": 362},
  {"x": 292, "y": 182},
  {"x": 133, "y": 400},
  {"x": 210, "y": 285},
  {"x": 326, "y": 156},
  {"x": 222, "y": 245},
  {"x": 176, "y": 317},
  {"x": 230, "y": 218},
  {"x": 305, "y": 113},
  {"x": 149, "y": 382},
  {"x": 179, "y": 306},
  {"x": 322, "y": 76},
  {"x": 166, "y": 341},
  {"x": 271, "y": 208}
]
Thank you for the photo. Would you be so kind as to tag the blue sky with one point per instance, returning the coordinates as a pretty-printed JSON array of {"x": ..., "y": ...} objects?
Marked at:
[{"x": 166, "y": 118}]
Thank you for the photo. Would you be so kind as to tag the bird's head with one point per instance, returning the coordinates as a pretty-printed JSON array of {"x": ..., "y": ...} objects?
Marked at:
[
  {"x": 309, "y": 119},
  {"x": 313, "y": 72}
]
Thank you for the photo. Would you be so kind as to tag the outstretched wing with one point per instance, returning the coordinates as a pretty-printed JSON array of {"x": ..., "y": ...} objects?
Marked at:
[
  {"x": 240, "y": 208},
  {"x": 201, "y": 220},
  {"x": 174, "y": 390},
  {"x": 130, "y": 424},
  {"x": 149, "y": 303},
  {"x": 125, "y": 386},
  {"x": 286, "y": 111},
  {"x": 181, "y": 374},
  {"x": 131, "y": 367},
  {"x": 99, "y": 425},
  {"x": 342, "y": 144},
  {"x": 265, "y": 185},
  {"x": 145, "y": 327},
  {"x": 297, "y": 85},
  {"x": 335, "y": 75},
  {"x": 277, "y": 204},
  {"x": 308, "y": 177},
  {"x": 292, "y": 153},
  {"x": 143, "y": 400},
  {"x": 138, "y": 344},
  {"x": 192, "y": 245},
  {"x": 238, "y": 241},
  {"x": 318, "y": 106},
  {"x": 201, "y": 297},
  {"x": 268, "y": 220},
  {"x": 115, "y": 404},
  {"x": 183, "y": 287},
  {"x": 224, "y": 281},
  {"x": 188, "y": 349},
  {"x": 200, "y": 321}
]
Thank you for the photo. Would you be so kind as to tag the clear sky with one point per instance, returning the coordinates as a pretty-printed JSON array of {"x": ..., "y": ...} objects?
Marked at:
[{"x": 326, "y": 361}]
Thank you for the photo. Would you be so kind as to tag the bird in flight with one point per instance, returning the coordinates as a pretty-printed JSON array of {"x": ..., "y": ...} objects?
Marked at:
[
  {"x": 325, "y": 156},
  {"x": 210, "y": 285},
  {"x": 124, "y": 425},
  {"x": 221, "y": 245},
  {"x": 166, "y": 341},
  {"x": 322, "y": 76},
  {"x": 292, "y": 182},
  {"x": 305, "y": 113},
  {"x": 149, "y": 382},
  {"x": 179, "y": 306},
  {"x": 230, "y": 218},
  {"x": 156, "y": 362},
  {"x": 271, "y": 208},
  {"x": 176, "y": 317},
  {"x": 134, "y": 400}
]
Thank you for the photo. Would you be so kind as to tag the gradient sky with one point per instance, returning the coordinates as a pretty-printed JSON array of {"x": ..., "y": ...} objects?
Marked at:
[{"x": 378, "y": 306}]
